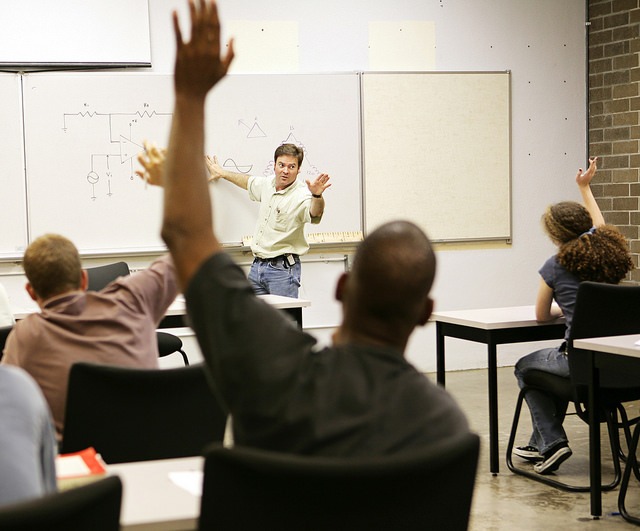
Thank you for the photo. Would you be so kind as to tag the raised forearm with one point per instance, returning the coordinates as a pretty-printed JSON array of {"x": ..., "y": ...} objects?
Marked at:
[
  {"x": 591, "y": 205},
  {"x": 239, "y": 179},
  {"x": 187, "y": 228}
]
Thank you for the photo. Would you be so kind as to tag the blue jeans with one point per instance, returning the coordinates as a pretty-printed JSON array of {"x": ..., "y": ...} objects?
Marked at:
[
  {"x": 271, "y": 276},
  {"x": 547, "y": 411}
]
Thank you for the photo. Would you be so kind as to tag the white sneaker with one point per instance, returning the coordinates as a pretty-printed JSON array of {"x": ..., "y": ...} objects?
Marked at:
[{"x": 553, "y": 461}]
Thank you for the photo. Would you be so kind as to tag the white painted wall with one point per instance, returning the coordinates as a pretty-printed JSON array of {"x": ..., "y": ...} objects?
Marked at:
[{"x": 542, "y": 43}]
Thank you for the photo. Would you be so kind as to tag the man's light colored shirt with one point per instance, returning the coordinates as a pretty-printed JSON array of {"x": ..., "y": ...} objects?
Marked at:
[{"x": 282, "y": 216}]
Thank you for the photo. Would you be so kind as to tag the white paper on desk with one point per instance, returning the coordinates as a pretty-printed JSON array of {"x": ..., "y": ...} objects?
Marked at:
[
  {"x": 189, "y": 480},
  {"x": 71, "y": 466}
]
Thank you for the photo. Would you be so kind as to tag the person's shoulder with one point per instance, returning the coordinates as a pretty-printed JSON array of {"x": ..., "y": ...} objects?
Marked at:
[
  {"x": 15, "y": 378},
  {"x": 260, "y": 179},
  {"x": 550, "y": 264}
]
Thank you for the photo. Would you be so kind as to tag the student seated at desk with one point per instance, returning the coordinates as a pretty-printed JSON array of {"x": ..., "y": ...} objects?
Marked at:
[
  {"x": 587, "y": 250},
  {"x": 359, "y": 397},
  {"x": 27, "y": 441},
  {"x": 115, "y": 326}
]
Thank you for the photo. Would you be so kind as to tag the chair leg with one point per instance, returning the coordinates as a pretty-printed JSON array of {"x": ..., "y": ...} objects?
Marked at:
[
  {"x": 625, "y": 425},
  {"x": 547, "y": 479},
  {"x": 184, "y": 356},
  {"x": 631, "y": 464},
  {"x": 616, "y": 450}
]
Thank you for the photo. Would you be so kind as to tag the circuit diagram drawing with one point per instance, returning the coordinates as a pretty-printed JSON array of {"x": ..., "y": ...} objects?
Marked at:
[
  {"x": 256, "y": 131},
  {"x": 122, "y": 135}
]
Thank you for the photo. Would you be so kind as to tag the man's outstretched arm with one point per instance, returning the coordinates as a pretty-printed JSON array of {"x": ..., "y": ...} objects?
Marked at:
[{"x": 187, "y": 227}]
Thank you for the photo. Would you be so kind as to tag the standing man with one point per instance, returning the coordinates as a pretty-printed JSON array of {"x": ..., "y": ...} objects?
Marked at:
[{"x": 285, "y": 207}]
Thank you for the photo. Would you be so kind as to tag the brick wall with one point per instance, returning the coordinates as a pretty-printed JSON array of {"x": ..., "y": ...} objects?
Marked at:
[{"x": 614, "y": 114}]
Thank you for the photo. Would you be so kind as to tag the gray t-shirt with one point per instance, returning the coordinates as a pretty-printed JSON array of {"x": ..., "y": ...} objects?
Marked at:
[
  {"x": 286, "y": 395},
  {"x": 564, "y": 286}
]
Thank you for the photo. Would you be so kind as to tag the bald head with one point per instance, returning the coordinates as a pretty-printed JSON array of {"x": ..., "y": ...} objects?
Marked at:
[{"x": 389, "y": 283}]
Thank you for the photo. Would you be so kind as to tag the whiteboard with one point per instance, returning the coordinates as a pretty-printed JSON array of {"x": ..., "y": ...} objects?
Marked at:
[
  {"x": 75, "y": 32},
  {"x": 248, "y": 116},
  {"x": 437, "y": 152},
  {"x": 84, "y": 131},
  {"x": 13, "y": 219}
]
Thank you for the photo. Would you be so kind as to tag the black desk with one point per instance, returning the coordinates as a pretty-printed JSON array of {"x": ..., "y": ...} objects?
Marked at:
[
  {"x": 620, "y": 353},
  {"x": 495, "y": 326}
]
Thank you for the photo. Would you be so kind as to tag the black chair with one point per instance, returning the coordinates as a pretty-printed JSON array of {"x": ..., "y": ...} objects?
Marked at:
[
  {"x": 95, "y": 506},
  {"x": 249, "y": 489},
  {"x": 140, "y": 414},
  {"x": 4, "y": 333},
  {"x": 168, "y": 344},
  {"x": 601, "y": 310},
  {"x": 101, "y": 276},
  {"x": 624, "y": 486}
]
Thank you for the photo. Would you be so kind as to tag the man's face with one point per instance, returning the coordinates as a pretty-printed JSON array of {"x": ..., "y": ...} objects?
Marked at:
[{"x": 286, "y": 169}]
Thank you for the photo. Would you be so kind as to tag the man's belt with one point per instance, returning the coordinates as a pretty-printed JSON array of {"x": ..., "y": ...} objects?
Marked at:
[{"x": 288, "y": 259}]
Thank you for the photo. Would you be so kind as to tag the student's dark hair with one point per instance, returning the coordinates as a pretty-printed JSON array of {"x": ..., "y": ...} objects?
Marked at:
[
  {"x": 596, "y": 254},
  {"x": 291, "y": 150}
]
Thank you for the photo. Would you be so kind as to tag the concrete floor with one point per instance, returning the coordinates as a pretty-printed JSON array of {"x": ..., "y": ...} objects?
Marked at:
[{"x": 508, "y": 501}]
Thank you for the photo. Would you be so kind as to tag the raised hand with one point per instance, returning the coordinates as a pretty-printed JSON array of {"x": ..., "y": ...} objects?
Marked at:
[
  {"x": 152, "y": 160},
  {"x": 584, "y": 179},
  {"x": 319, "y": 184},
  {"x": 214, "y": 168},
  {"x": 199, "y": 65}
]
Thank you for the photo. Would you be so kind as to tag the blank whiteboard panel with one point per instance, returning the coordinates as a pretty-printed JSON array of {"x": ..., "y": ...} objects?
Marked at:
[
  {"x": 437, "y": 152},
  {"x": 84, "y": 132},
  {"x": 13, "y": 236},
  {"x": 75, "y": 32}
]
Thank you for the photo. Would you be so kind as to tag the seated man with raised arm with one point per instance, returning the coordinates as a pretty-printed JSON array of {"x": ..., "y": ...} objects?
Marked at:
[
  {"x": 359, "y": 397},
  {"x": 114, "y": 326}
]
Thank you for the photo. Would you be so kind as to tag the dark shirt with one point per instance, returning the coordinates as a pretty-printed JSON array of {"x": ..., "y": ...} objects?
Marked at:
[{"x": 286, "y": 395}]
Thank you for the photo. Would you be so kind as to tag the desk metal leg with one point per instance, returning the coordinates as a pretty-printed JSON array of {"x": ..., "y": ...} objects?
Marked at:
[
  {"x": 296, "y": 313},
  {"x": 440, "y": 355},
  {"x": 493, "y": 409},
  {"x": 595, "y": 472}
]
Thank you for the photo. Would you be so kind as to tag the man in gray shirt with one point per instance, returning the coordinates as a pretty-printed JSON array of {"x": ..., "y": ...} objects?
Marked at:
[{"x": 359, "y": 397}]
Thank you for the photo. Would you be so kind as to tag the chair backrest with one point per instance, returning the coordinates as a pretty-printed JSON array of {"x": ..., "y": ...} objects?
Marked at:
[
  {"x": 101, "y": 276},
  {"x": 254, "y": 489},
  {"x": 95, "y": 506},
  {"x": 131, "y": 414},
  {"x": 603, "y": 310}
]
